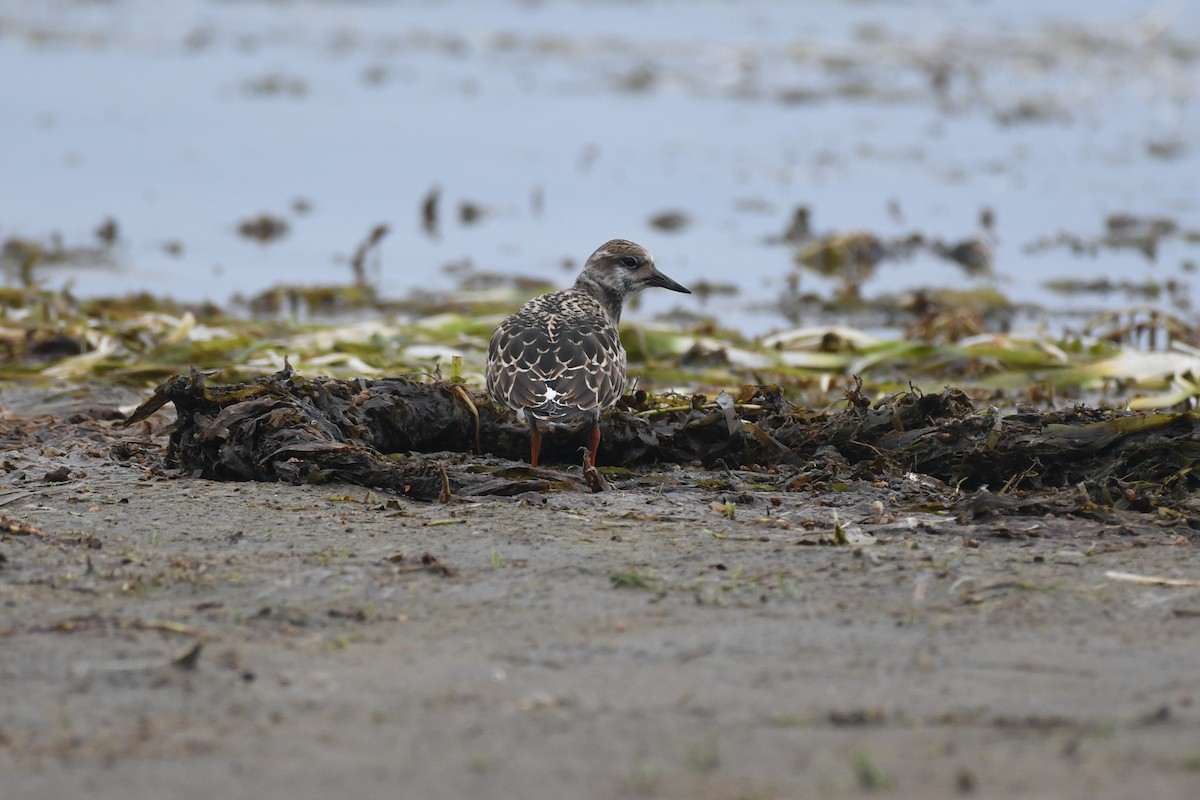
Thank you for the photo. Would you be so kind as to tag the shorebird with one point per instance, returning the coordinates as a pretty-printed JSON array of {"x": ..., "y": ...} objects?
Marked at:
[{"x": 559, "y": 359}]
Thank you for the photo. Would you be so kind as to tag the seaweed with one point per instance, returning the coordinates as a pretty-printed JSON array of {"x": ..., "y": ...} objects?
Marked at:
[
  {"x": 283, "y": 427},
  {"x": 288, "y": 427}
]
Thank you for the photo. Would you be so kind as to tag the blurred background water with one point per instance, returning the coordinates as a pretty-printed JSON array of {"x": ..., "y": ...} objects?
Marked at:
[{"x": 544, "y": 128}]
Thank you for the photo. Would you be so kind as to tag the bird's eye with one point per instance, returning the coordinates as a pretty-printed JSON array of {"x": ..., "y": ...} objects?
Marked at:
[{"x": 631, "y": 261}]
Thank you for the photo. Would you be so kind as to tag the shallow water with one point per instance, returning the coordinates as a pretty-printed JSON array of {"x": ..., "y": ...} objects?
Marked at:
[{"x": 574, "y": 122}]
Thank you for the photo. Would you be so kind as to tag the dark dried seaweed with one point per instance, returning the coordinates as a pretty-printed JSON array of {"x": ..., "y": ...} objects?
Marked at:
[{"x": 288, "y": 427}]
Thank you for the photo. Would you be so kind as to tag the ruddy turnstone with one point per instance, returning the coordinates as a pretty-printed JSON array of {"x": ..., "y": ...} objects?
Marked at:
[{"x": 559, "y": 359}]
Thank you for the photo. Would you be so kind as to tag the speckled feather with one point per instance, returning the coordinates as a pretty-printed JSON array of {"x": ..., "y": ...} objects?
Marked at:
[{"x": 560, "y": 357}]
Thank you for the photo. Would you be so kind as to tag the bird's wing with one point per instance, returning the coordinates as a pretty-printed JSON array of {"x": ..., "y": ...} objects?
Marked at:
[{"x": 553, "y": 366}]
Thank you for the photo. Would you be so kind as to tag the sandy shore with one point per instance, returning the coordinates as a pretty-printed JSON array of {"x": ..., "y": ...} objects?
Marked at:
[{"x": 170, "y": 635}]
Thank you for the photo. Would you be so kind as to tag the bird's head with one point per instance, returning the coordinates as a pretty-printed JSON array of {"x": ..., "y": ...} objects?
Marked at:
[{"x": 622, "y": 267}]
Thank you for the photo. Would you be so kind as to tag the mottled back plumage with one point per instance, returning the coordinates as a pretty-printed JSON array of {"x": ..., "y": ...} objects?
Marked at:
[{"x": 559, "y": 358}]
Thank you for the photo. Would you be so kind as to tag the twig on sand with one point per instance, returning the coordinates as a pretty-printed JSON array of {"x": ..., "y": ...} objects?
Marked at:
[{"x": 1150, "y": 580}]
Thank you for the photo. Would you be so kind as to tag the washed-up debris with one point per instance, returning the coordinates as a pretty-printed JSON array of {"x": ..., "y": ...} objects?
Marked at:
[
  {"x": 15, "y": 527},
  {"x": 369, "y": 245},
  {"x": 288, "y": 427},
  {"x": 276, "y": 85},
  {"x": 323, "y": 301},
  {"x": 852, "y": 257},
  {"x": 185, "y": 659},
  {"x": 429, "y": 212},
  {"x": 470, "y": 212},
  {"x": 1150, "y": 580},
  {"x": 263, "y": 228},
  {"x": 21, "y": 258},
  {"x": 799, "y": 229},
  {"x": 1103, "y": 286},
  {"x": 670, "y": 221},
  {"x": 1168, "y": 149},
  {"x": 1145, "y": 326},
  {"x": 1122, "y": 230},
  {"x": 974, "y": 255},
  {"x": 283, "y": 427},
  {"x": 108, "y": 231},
  {"x": 1033, "y": 110},
  {"x": 950, "y": 315}
]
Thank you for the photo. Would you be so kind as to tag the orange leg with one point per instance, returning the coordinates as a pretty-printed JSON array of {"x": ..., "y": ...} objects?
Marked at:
[
  {"x": 535, "y": 444},
  {"x": 594, "y": 445}
]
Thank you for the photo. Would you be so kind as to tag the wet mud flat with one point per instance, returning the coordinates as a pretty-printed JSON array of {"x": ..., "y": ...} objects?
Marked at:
[{"x": 704, "y": 637}]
